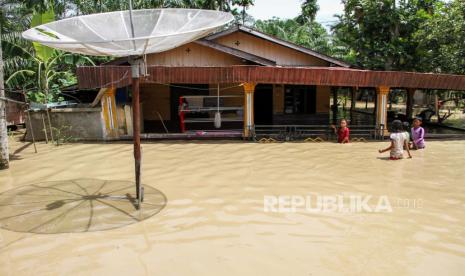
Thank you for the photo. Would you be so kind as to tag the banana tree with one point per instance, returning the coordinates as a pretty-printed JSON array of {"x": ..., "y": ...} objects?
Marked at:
[
  {"x": 43, "y": 71},
  {"x": 43, "y": 79}
]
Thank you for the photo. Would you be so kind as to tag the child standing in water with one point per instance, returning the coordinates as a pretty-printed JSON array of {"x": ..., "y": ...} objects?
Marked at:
[
  {"x": 342, "y": 133},
  {"x": 398, "y": 142},
  {"x": 418, "y": 135}
]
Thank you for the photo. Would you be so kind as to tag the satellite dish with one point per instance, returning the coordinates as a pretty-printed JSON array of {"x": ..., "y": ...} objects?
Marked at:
[{"x": 128, "y": 33}]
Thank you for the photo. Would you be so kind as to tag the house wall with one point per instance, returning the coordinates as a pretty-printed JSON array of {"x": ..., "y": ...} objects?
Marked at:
[
  {"x": 269, "y": 50},
  {"x": 155, "y": 98},
  {"x": 323, "y": 96},
  {"x": 193, "y": 54}
]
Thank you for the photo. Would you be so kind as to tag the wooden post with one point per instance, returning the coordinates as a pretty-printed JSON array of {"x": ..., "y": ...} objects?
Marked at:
[
  {"x": 382, "y": 93},
  {"x": 334, "y": 107},
  {"x": 45, "y": 128},
  {"x": 4, "y": 151},
  {"x": 353, "y": 99},
  {"x": 436, "y": 105},
  {"x": 50, "y": 125},
  {"x": 29, "y": 120},
  {"x": 249, "y": 125},
  {"x": 409, "y": 105}
]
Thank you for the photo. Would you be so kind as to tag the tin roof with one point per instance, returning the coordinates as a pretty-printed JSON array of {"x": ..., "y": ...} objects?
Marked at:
[{"x": 119, "y": 76}]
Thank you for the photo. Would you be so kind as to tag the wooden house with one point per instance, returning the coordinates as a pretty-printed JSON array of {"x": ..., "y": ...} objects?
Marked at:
[{"x": 252, "y": 79}]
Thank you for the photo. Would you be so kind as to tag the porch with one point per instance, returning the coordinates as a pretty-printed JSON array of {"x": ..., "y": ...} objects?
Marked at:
[
  {"x": 263, "y": 97},
  {"x": 187, "y": 111}
]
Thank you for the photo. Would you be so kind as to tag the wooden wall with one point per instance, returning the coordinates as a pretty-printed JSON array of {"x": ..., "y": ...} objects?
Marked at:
[
  {"x": 272, "y": 51},
  {"x": 155, "y": 98},
  {"x": 193, "y": 54},
  {"x": 323, "y": 95}
]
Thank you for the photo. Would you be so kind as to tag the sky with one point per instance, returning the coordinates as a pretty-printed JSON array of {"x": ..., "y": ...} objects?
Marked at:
[{"x": 266, "y": 9}]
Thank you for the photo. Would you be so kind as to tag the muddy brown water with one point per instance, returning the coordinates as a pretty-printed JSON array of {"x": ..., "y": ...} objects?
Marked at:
[{"x": 214, "y": 222}]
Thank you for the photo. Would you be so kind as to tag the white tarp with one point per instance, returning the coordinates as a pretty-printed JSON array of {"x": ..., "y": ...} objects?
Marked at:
[{"x": 110, "y": 34}]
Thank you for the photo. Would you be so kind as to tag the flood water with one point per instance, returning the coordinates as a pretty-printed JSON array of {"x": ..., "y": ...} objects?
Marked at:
[{"x": 215, "y": 223}]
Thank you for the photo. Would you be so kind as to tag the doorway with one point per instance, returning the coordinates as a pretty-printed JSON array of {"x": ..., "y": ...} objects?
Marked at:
[
  {"x": 299, "y": 99},
  {"x": 179, "y": 90},
  {"x": 263, "y": 104}
]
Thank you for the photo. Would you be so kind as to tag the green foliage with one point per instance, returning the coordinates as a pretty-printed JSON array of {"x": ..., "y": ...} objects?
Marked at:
[
  {"x": 42, "y": 52},
  {"x": 442, "y": 39},
  {"x": 309, "y": 11},
  {"x": 414, "y": 35},
  {"x": 39, "y": 71},
  {"x": 411, "y": 35},
  {"x": 61, "y": 135},
  {"x": 310, "y": 34}
]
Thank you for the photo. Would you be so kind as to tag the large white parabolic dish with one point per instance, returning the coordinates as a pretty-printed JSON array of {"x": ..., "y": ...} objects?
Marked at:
[{"x": 110, "y": 34}]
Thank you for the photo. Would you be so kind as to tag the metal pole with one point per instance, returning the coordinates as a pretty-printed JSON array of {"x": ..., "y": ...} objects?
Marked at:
[
  {"x": 135, "y": 70},
  {"x": 136, "y": 130}
]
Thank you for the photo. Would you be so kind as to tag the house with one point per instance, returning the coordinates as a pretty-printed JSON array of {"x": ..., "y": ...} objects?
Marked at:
[{"x": 252, "y": 79}]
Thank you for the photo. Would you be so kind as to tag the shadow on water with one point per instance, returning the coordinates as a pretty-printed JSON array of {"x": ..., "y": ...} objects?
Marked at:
[
  {"x": 80, "y": 205},
  {"x": 384, "y": 158}
]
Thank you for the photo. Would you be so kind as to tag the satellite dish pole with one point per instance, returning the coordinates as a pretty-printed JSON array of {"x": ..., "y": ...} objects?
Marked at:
[{"x": 135, "y": 62}]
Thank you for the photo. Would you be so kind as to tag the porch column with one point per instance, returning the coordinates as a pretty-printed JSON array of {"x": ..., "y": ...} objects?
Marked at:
[
  {"x": 334, "y": 107},
  {"x": 436, "y": 105},
  {"x": 353, "y": 96},
  {"x": 409, "y": 106},
  {"x": 382, "y": 93},
  {"x": 249, "y": 89}
]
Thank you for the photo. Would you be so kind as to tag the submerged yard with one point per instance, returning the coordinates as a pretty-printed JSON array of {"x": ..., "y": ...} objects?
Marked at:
[{"x": 215, "y": 222}]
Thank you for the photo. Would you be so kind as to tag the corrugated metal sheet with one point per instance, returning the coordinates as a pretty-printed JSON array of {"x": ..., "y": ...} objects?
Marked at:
[{"x": 119, "y": 76}]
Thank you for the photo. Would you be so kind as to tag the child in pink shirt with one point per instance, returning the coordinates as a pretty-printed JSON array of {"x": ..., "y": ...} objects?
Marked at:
[{"x": 418, "y": 135}]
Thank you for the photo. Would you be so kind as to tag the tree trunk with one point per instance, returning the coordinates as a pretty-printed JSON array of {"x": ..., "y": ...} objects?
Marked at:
[{"x": 4, "y": 154}]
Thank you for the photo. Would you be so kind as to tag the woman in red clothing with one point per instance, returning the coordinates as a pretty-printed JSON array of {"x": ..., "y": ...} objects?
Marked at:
[{"x": 342, "y": 132}]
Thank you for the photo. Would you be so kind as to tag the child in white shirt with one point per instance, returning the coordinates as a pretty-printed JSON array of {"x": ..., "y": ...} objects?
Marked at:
[{"x": 399, "y": 141}]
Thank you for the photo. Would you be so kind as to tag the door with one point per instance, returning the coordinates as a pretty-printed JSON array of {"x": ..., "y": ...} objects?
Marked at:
[
  {"x": 263, "y": 104},
  {"x": 300, "y": 99}
]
